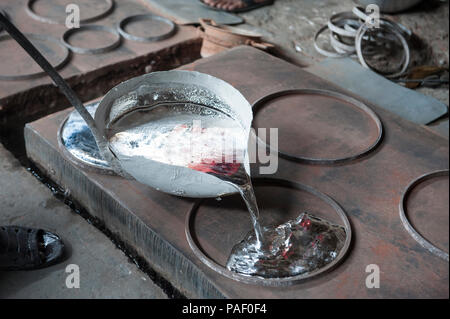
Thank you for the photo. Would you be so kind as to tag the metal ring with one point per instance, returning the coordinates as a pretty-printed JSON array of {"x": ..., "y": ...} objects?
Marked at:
[
  {"x": 34, "y": 15},
  {"x": 323, "y": 51},
  {"x": 341, "y": 46},
  {"x": 40, "y": 37},
  {"x": 285, "y": 281},
  {"x": 406, "y": 57},
  {"x": 339, "y": 29},
  {"x": 323, "y": 161},
  {"x": 140, "y": 17},
  {"x": 417, "y": 237},
  {"x": 359, "y": 12},
  {"x": 93, "y": 27}
]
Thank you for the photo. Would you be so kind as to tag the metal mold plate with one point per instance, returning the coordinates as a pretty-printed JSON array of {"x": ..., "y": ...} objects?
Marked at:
[{"x": 213, "y": 257}]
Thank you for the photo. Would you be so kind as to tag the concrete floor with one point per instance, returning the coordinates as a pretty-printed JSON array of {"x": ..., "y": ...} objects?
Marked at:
[{"x": 105, "y": 271}]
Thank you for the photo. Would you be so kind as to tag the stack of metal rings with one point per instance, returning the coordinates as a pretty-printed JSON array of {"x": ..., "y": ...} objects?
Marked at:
[{"x": 349, "y": 29}]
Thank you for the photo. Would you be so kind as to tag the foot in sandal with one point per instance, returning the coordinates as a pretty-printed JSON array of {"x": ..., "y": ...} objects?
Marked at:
[
  {"x": 236, "y": 6},
  {"x": 24, "y": 248}
]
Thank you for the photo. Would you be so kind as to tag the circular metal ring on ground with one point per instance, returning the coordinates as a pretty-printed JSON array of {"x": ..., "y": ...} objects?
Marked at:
[
  {"x": 323, "y": 161},
  {"x": 34, "y": 15},
  {"x": 91, "y": 27},
  {"x": 406, "y": 56},
  {"x": 359, "y": 12},
  {"x": 285, "y": 281},
  {"x": 78, "y": 144},
  {"x": 324, "y": 52},
  {"x": 337, "y": 21},
  {"x": 417, "y": 237},
  {"x": 122, "y": 24},
  {"x": 39, "y": 37}
]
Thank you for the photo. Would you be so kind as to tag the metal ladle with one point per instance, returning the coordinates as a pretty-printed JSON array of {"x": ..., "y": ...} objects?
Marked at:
[{"x": 173, "y": 87}]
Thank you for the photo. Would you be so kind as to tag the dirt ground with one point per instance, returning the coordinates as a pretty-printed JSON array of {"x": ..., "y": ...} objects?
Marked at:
[{"x": 293, "y": 24}]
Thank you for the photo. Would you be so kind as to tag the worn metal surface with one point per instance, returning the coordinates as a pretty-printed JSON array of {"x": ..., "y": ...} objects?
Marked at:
[
  {"x": 375, "y": 89},
  {"x": 368, "y": 189}
]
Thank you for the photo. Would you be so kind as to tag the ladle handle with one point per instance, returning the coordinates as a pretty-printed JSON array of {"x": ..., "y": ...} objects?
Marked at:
[{"x": 64, "y": 88}]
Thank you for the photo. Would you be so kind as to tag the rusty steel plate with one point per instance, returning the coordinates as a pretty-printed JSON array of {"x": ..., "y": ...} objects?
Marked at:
[
  {"x": 338, "y": 116},
  {"x": 418, "y": 211},
  {"x": 368, "y": 189},
  {"x": 279, "y": 201},
  {"x": 54, "y": 12}
]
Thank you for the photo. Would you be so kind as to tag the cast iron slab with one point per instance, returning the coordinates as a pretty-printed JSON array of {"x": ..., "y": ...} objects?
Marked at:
[{"x": 369, "y": 190}]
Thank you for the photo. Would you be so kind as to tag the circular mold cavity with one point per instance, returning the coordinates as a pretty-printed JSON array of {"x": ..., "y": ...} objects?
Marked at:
[
  {"x": 424, "y": 211},
  {"x": 214, "y": 227},
  {"x": 144, "y": 22},
  {"x": 92, "y": 34},
  {"x": 318, "y": 126},
  {"x": 55, "y": 11},
  {"x": 18, "y": 65},
  {"x": 77, "y": 142}
]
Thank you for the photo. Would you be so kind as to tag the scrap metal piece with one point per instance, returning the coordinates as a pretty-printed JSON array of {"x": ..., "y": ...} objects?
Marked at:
[
  {"x": 122, "y": 24},
  {"x": 414, "y": 233},
  {"x": 39, "y": 37},
  {"x": 323, "y": 161},
  {"x": 92, "y": 27},
  {"x": 34, "y": 15},
  {"x": 258, "y": 280}
]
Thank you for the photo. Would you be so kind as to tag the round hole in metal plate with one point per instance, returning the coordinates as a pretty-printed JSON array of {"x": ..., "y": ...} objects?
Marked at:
[
  {"x": 214, "y": 227},
  {"x": 318, "y": 126}
]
